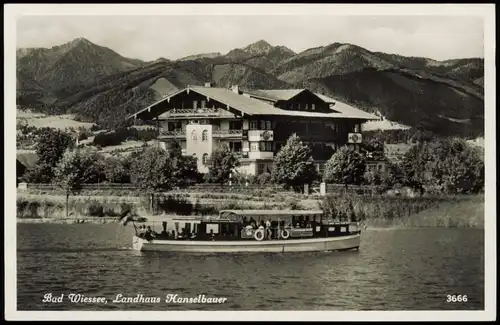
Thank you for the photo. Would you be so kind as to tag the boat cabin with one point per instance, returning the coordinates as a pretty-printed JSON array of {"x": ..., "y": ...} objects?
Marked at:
[{"x": 254, "y": 225}]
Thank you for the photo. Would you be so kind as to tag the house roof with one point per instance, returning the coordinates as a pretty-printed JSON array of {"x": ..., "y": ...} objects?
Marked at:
[
  {"x": 28, "y": 159},
  {"x": 276, "y": 94},
  {"x": 251, "y": 106},
  {"x": 347, "y": 109}
]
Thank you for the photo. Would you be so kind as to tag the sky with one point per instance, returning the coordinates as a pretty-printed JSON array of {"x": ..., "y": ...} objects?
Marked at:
[{"x": 151, "y": 37}]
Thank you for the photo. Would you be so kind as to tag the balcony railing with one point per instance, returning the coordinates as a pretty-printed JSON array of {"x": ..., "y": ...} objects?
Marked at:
[
  {"x": 172, "y": 134},
  {"x": 187, "y": 112},
  {"x": 227, "y": 133}
]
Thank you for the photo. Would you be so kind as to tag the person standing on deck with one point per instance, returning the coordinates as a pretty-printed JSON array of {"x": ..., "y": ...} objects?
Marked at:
[{"x": 268, "y": 229}]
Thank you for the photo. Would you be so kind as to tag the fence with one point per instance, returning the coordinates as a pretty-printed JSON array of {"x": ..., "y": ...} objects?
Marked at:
[{"x": 321, "y": 190}]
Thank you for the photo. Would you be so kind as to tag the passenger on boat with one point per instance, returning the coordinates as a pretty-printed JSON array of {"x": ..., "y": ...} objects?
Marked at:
[
  {"x": 245, "y": 221},
  {"x": 269, "y": 233},
  {"x": 141, "y": 231},
  {"x": 212, "y": 235},
  {"x": 164, "y": 234},
  {"x": 149, "y": 233}
]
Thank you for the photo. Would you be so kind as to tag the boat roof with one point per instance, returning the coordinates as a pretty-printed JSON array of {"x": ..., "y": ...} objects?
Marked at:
[{"x": 271, "y": 212}]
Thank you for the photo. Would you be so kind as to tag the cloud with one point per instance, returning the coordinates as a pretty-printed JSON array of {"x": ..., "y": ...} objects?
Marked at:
[{"x": 150, "y": 37}]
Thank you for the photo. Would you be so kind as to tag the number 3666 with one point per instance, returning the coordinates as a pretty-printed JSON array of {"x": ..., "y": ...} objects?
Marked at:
[{"x": 456, "y": 298}]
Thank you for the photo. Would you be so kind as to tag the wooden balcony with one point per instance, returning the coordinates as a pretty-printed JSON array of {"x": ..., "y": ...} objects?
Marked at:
[
  {"x": 227, "y": 134},
  {"x": 200, "y": 112},
  {"x": 164, "y": 134}
]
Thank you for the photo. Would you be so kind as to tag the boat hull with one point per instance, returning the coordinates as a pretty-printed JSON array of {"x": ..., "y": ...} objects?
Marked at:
[{"x": 266, "y": 246}]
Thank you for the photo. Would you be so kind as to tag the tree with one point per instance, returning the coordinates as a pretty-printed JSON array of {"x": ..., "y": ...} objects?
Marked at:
[
  {"x": 76, "y": 166},
  {"x": 117, "y": 170},
  {"x": 39, "y": 173},
  {"x": 346, "y": 166},
  {"x": 184, "y": 168},
  {"x": 374, "y": 149},
  {"x": 152, "y": 171},
  {"x": 222, "y": 163},
  {"x": 294, "y": 165},
  {"x": 51, "y": 145},
  {"x": 448, "y": 165}
]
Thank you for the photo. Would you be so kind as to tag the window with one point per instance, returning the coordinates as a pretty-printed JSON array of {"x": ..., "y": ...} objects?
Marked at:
[
  {"x": 235, "y": 146},
  {"x": 204, "y": 135},
  {"x": 193, "y": 135},
  {"x": 268, "y": 125},
  {"x": 253, "y": 125},
  {"x": 235, "y": 125},
  {"x": 203, "y": 103},
  {"x": 254, "y": 146},
  {"x": 260, "y": 168},
  {"x": 313, "y": 106},
  {"x": 204, "y": 160},
  {"x": 265, "y": 146},
  {"x": 174, "y": 126},
  {"x": 195, "y": 104},
  {"x": 307, "y": 107},
  {"x": 262, "y": 125}
]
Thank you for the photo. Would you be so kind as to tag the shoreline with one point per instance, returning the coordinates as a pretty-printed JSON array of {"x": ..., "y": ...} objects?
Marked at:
[{"x": 377, "y": 225}]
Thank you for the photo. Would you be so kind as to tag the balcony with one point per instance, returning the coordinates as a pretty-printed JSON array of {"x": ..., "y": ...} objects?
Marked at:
[
  {"x": 227, "y": 134},
  {"x": 200, "y": 112},
  {"x": 179, "y": 134}
]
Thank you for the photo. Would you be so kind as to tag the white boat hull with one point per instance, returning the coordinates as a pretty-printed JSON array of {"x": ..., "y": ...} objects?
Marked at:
[{"x": 265, "y": 246}]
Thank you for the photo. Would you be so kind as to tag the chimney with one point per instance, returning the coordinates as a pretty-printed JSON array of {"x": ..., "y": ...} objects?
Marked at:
[
  {"x": 208, "y": 84},
  {"x": 235, "y": 89}
]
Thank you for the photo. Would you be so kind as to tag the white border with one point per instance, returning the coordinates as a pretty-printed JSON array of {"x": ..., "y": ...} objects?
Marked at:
[{"x": 11, "y": 11}]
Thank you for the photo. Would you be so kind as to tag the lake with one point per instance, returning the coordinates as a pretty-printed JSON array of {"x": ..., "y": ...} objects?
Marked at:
[{"x": 395, "y": 269}]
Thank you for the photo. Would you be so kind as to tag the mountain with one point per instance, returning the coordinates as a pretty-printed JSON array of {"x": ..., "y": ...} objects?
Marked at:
[
  {"x": 64, "y": 69},
  {"x": 201, "y": 56},
  {"x": 99, "y": 85},
  {"x": 403, "y": 97}
]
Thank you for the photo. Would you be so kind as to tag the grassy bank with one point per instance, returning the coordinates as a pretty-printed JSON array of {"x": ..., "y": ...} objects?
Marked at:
[
  {"x": 450, "y": 211},
  {"x": 439, "y": 211}
]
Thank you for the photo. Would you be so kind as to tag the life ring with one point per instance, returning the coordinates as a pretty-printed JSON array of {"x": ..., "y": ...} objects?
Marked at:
[
  {"x": 259, "y": 234},
  {"x": 285, "y": 234}
]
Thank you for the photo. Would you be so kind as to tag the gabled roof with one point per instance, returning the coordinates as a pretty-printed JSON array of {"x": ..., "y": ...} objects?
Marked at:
[
  {"x": 347, "y": 109},
  {"x": 276, "y": 94},
  {"x": 252, "y": 106}
]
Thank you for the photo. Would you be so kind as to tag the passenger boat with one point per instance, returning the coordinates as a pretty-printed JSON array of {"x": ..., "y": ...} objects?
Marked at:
[{"x": 245, "y": 231}]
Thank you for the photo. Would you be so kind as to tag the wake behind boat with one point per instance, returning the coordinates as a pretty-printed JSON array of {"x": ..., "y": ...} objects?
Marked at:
[{"x": 238, "y": 231}]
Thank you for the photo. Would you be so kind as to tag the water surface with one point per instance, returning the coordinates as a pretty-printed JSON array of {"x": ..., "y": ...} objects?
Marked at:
[{"x": 404, "y": 269}]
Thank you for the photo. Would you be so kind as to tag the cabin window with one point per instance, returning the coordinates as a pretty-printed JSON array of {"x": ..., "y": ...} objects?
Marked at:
[
  {"x": 307, "y": 107},
  {"x": 174, "y": 126},
  {"x": 313, "y": 107},
  {"x": 205, "y": 159},
  {"x": 262, "y": 125},
  {"x": 253, "y": 125},
  {"x": 254, "y": 146},
  {"x": 212, "y": 228},
  {"x": 194, "y": 137},
  {"x": 268, "y": 125},
  {"x": 204, "y": 135},
  {"x": 195, "y": 104},
  {"x": 356, "y": 128},
  {"x": 265, "y": 146},
  {"x": 203, "y": 103}
]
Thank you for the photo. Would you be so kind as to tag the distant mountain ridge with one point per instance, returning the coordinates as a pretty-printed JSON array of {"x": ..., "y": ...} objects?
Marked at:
[{"x": 100, "y": 85}]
